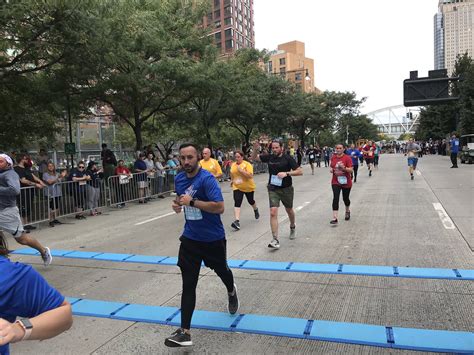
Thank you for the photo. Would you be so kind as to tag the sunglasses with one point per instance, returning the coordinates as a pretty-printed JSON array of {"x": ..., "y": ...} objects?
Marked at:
[{"x": 81, "y": 167}]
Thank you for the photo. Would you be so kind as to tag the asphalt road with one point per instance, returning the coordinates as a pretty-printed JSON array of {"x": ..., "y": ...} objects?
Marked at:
[{"x": 395, "y": 222}]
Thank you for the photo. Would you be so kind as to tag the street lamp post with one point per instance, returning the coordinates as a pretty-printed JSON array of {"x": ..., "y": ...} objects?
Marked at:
[{"x": 286, "y": 72}]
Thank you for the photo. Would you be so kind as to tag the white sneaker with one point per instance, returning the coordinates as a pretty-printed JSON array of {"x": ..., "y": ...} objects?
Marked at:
[
  {"x": 47, "y": 257},
  {"x": 274, "y": 244}
]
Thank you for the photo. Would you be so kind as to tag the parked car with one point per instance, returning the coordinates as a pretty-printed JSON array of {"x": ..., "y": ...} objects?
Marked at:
[{"x": 467, "y": 149}]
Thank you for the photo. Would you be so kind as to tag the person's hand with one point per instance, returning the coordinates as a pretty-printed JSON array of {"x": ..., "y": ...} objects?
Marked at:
[
  {"x": 282, "y": 175},
  {"x": 88, "y": 177},
  {"x": 39, "y": 186},
  {"x": 176, "y": 206},
  {"x": 331, "y": 171},
  {"x": 10, "y": 332},
  {"x": 184, "y": 200}
]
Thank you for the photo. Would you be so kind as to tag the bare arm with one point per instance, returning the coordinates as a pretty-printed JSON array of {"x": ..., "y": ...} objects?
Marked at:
[
  {"x": 216, "y": 207},
  {"x": 46, "y": 325}
]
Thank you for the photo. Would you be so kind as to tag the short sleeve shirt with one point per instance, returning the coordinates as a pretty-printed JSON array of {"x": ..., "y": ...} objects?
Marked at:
[
  {"x": 200, "y": 225},
  {"x": 240, "y": 182},
  {"x": 278, "y": 164},
  {"x": 24, "y": 293},
  {"x": 55, "y": 189},
  {"x": 346, "y": 161},
  {"x": 140, "y": 165},
  {"x": 24, "y": 173},
  {"x": 212, "y": 166}
]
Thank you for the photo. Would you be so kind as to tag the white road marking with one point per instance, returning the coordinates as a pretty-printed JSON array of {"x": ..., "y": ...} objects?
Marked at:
[
  {"x": 447, "y": 222},
  {"x": 418, "y": 172},
  {"x": 154, "y": 218}
]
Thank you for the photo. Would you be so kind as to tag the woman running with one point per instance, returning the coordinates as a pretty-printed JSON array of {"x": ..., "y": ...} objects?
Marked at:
[
  {"x": 241, "y": 175},
  {"x": 341, "y": 170}
]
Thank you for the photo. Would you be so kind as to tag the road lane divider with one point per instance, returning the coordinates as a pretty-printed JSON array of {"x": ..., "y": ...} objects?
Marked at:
[
  {"x": 284, "y": 266},
  {"x": 443, "y": 215},
  {"x": 339, "y": 332},
  {"x": 154, "y": 218}
]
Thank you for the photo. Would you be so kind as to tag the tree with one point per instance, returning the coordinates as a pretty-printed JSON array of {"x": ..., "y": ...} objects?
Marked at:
[
  {"x": 144, "y": 70},
  {"x": 464, "y": 67}
]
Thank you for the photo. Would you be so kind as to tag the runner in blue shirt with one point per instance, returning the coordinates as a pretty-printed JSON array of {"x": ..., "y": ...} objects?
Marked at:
[
  {"x": 203, "y": 239},
  {"x": 25, "y": 293},
  {"x": 355, "y": 155}
]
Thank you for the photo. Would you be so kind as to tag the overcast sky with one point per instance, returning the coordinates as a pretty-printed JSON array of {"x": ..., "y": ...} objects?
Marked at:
[{"x": 365, "y": 46}]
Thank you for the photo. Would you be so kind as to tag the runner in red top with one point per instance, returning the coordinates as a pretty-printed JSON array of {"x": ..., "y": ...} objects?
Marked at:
[
  {"x": 369, "y": 154},
  {"x": 341, "y": 170}
]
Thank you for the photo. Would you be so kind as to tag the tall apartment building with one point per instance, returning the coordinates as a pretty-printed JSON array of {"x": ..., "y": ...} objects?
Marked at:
[
  {"x": 290, "y": 62},
  {"x": 231, "y": 23},
  {"x": 453, "y": 32}
]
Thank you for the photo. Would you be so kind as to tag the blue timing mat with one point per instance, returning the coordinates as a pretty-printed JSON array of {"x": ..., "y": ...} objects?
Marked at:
[
  {"x": 340, "y": 269},
  {"x": 339, "y": 332}
]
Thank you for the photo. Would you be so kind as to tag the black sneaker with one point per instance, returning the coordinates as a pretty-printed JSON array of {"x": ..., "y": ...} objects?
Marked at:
[
  {"x": 370, "y": 172},
  {"x": 235, "y": 225},
  {"x": 348, "y": 215},
  {"x": 178, "y": 338},
  {"x": 257, "y": 214},
  {"x": 233, "y": 302},
  {"x": 412, "y": 177},
  {"x": 334, "y": 221},
  {"x": 55, "y": 221}
]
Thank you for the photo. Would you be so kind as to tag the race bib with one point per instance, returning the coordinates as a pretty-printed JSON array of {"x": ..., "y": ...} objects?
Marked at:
[
  {"x": 123, "y": 179},
  {"x": 276, "y": 181},
  {"x": 311, "y": 156},
  {"x": 192, "y": 213},
  {"x": 342, "y": 179},
  {"x": 238, "y": 181}
]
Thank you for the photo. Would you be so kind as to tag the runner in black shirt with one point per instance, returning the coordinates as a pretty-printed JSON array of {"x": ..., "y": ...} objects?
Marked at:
[{"x": 281, "y": 168}]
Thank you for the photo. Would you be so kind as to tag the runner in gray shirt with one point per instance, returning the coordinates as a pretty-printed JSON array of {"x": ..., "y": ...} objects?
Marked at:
[{"x": 10, "y": 220}]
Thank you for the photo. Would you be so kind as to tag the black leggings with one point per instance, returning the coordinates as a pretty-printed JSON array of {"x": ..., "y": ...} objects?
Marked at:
[
  {"x": 191, "y": 254},
  {"x": 336, "y": 189},
  {"x": 354, "y": 174},
  {"x": 239, "y": 197}
]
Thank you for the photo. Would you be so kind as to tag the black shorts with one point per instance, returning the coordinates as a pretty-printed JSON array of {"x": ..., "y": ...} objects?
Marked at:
[
  {"x": 192, "y": 253},
  {"x": 369, "y": 160},
  {"x": 54, "y": 203}
]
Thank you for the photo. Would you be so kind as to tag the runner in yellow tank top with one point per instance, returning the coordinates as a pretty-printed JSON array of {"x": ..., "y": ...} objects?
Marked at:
[{"x": 241, "y": 175}]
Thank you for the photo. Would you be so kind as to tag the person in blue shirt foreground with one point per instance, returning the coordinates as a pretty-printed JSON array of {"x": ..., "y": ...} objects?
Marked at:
[
  {"x": 355, "y": 155},
  {"x": 198, "y": 194},
  {"x": 454, "y": 148},
  {"x": 24, "y": 293}
]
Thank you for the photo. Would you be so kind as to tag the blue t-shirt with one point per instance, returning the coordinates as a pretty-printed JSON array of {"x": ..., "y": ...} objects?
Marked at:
[
  {"x": 24, "y": 293},
  {"x": 454, "y": 145},
  {"x": 140, "y": 165},
  {"x": 200, "y": 225},
  {"x": 354, "y": 154}
]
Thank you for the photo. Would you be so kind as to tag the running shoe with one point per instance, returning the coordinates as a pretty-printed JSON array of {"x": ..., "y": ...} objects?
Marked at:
[
  {"x": 348, "y": 215},
  {"x": 233, "y": 301},
  {"x": 292, "y": 233},
  {"x": 257, "y": 214},
  {"x": 370, "y": 172},
  {"x": 274, "y": 244},
  {"x": 51, "y": 224},
  {"x": 178, "y": 338},
  {"x": 334, "y": 221},
  {"x": 412, "y": 177},
  {"x": 47, "y": 257},
  {"x": 55, "y": 221},
  {"x": 235, "y": 225}
]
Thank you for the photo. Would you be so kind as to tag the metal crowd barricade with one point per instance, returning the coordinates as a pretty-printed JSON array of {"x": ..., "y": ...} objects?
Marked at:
[
  {"x": 259, "y": 167},
  {"x": 138, "y": 186},
  {"x": 33, "y": 205}
]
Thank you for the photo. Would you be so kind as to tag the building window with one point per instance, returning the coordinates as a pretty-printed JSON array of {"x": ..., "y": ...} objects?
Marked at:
[
  {"x": 282, "y": 61},
  {"x": 217, "y": 3},
  {"x": 282, "y": 70},
  {"x": 269, "y": 66},
  {"x": 229, "y": 33},
  {"x": 217, "y": 36},
  {"x": 217, "y": 14},
  {"x": 298, "y": 76},
  {"x": 229, "y": 44},
  {"x": 228, "y": 11},
  {"x": 228, "y": 21},
  {"x": 217, "y": 24}
]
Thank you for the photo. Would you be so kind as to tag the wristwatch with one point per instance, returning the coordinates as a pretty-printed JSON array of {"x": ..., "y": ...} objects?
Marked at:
[
  {"x": 191, "y": 203},
  {"x": 27, "y": 327}
]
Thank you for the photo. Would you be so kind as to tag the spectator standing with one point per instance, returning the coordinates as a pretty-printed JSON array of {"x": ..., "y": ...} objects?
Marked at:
[
  {"x": 109, "y": 161},
  {"x": 54, "y": 191},
  {"x": 124, "y": 176},
  {"x": 454, "y": 148},
  {"x": 140, "y": 169},
  {"x": 79, "y": 189},
  {"x": 93, "y": 187}
]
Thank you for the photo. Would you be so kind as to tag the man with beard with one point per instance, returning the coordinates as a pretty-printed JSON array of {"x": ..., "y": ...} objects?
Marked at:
[{"x": 203, "y": 239}]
